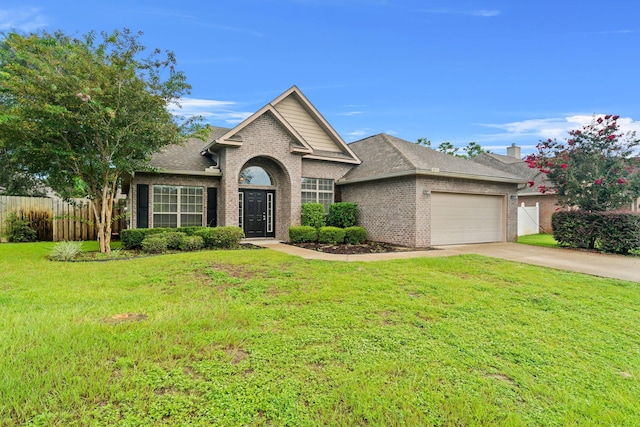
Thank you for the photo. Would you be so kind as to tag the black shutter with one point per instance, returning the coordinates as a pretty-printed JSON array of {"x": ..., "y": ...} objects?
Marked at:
[
  {"x": 212, "y": 207},
  {"x": 142, "y": 206}
]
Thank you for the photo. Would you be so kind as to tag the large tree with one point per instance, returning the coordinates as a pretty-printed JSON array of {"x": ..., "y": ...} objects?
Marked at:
[
  {"x": 594, "y": 169},
  {"x": 83, "y": 112}
]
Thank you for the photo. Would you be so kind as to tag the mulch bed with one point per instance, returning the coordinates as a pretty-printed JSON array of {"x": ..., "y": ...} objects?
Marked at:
[{"x": 364, "y": 248}]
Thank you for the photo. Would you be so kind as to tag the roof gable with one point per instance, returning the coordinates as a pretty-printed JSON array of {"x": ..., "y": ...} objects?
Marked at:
[{"x": 313, "y": 137}]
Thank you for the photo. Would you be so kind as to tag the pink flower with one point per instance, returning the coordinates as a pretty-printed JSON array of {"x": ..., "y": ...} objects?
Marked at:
[
  {"x": 611, "y": 137},
  {"x": 530, "y": 183},
  {"x": 564, "y": 166},
  {"x": 598, "y": 181},
  {"x": 599, "y": 120},
  {"x": 542, "y": 188},
  {"x": 621, "y": 181}
]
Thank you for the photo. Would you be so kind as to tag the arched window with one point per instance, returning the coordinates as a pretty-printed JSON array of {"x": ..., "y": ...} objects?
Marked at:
[{"x": 254, "y": 175}]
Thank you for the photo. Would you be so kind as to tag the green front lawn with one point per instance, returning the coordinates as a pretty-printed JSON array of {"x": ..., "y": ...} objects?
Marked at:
[
  {"x": 257, "y": 337},
  {"x": 545, "y": 240}
]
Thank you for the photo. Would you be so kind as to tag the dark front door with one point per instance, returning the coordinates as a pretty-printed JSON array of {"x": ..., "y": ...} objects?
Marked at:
[{"x": 258, "y": 209}]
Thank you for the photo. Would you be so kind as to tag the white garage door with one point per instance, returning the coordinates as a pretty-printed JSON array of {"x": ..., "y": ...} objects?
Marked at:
[{"x": 466, "y": 218}]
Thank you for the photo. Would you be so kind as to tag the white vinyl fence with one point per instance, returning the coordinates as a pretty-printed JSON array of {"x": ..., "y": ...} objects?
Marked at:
[{"x": 528, "y": 220}]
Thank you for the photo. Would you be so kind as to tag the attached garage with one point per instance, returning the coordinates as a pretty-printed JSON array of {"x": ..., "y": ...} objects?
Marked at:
[{"x": 466, "y": 218}]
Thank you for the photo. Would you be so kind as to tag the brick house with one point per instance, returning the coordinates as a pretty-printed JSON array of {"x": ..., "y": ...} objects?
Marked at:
[
  {"x": 259, "y": 173},
  {"x": 528, "y": 195}
]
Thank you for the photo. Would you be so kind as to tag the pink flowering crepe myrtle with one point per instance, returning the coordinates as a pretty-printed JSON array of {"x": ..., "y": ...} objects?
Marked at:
[{"x": 593, "y": 169}]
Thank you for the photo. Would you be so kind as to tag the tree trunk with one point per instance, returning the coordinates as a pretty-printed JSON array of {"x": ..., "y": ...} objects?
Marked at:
[{"x": 102, "y": 212}]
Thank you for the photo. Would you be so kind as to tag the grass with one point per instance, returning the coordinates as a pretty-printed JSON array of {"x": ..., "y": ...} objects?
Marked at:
[
  {"x": 262, "y": 338},
  {"x": 545, "y": 240}
]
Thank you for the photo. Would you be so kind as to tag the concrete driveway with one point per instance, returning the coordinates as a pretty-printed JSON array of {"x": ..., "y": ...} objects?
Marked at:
[{"x": 596, "y": 264}]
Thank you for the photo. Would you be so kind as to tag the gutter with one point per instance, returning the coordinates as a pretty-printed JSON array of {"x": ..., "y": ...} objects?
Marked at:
[{"x": 434, "y": 172}]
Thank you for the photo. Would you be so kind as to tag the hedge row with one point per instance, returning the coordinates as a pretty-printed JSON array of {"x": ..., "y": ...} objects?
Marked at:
[
  {"x": 332, "y": 235},
  {"x": 606, "y": 231},
  {"x": 212, "y": 238}
]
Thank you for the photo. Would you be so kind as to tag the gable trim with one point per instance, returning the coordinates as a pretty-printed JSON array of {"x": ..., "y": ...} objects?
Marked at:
[
  {"x": 315, "y": 114},
  {"x": 228, "y": 138}
]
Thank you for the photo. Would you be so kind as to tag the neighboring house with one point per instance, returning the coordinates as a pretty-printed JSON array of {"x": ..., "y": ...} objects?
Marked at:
[
  {"x": 530, "y": 194},
  {"x": 257, "y": 175}
]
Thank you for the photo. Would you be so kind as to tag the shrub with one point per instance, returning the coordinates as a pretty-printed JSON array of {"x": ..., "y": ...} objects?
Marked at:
[
  {"x": 313, "y": 215},
  {"x": 221, "y": 237},
  {"x": 302, "y": 234},
  {"x": 154, "y": 244},
  {"x": 191, "y": 243},
  {"x": 19, "y": 230},
  {"x": 355, "y": 235},
  {"x": 576, "y": 229},
  {"x": 66, "y": 251},
  {"x": 174, "y": 239},
  {"x": 189, "y": 231},
  {"x": 331, "y": 235},
  {"x": 618, "y": 232},
  {"x": 343, "y": 214},
  {"x": 132, "y": 238},
  {"x": 607, "y": 231}
]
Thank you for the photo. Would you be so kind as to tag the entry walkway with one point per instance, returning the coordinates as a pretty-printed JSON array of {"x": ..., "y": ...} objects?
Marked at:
[{"x": 603, "y": 265}]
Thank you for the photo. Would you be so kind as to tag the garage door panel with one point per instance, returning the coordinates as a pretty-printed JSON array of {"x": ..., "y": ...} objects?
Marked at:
[{"x": 466, "y": 218}]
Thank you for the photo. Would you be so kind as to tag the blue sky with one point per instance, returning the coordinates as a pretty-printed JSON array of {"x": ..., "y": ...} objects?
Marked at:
[{"x": 492, "y": 71}]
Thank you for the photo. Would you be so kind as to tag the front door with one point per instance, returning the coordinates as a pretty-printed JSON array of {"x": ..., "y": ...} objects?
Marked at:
[{"x": 257, "y": 213}]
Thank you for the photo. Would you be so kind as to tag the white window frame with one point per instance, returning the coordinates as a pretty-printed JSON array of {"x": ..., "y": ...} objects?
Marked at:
[
  {"x": 180, "y": 207},
  {"x": 318, "y": 191},
  {"x": 241, "y": 209},
  {"x": 269, "y": 212}
]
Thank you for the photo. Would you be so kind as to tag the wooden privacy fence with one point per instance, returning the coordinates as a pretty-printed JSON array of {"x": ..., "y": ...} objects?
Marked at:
[{"x": 56, "y": 220}]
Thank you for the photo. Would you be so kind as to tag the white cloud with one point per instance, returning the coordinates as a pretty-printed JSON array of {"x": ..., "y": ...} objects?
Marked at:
[
  {"x": 22, "y": 19},
  {"x": 555, "y": 127},
  {"x": 357, "y": 134},
  {"x": 212, "y": 111},
  {"x": 351, "y": 113}
]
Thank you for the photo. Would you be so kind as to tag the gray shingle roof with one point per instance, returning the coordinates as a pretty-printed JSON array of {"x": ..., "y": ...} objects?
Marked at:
[
  {"x": 384, "y": 155},
  {"x": 186, "y": 157},
  {"x": 514, "y": 166}
]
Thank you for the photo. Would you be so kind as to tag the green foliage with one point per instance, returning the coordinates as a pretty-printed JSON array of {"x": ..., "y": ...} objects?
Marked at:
[
  {"x": 189, "y": 231},
  {"x": 594, "y": 169},
  {"x": 355, "y": 235},
  {"x": 303, "y": 234},
  {"x": 173, "y": 238},
  {"x": 191, "y": 243},
  {"x": 66, "y": 251},
  {"x": 619, "y": 233},
  {"x": 576, "y": 229},
  {"x": 313, "y": 214},
  {"x": 154, "y": 244},
  {"x": 606, "y": 231},
  {"x": 471, "y": 150},
  {"x": 19, "y": 230},
  {"x": 331, "y": 235},
  {"x": 132, "y": 238},
  {"x": 228, "y": 237},
  {"x": 343, "y": 214},
  {"x": 83, "y": 113}
]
